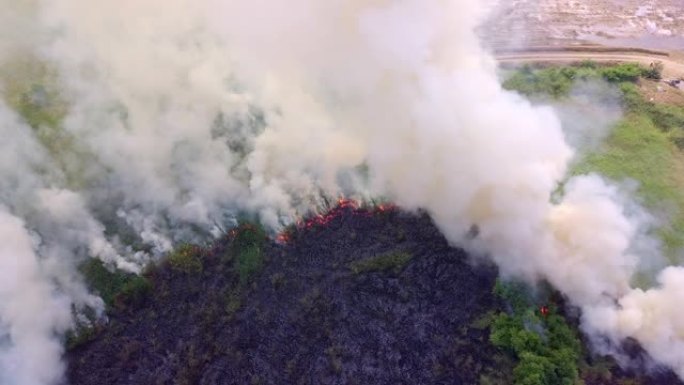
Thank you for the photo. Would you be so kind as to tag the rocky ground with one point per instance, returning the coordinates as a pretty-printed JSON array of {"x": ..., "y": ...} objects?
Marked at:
[{"x": 356, "y": 297}]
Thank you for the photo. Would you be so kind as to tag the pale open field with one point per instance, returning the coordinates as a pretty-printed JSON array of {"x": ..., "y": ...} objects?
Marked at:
[{"x": 644, "y": 23}]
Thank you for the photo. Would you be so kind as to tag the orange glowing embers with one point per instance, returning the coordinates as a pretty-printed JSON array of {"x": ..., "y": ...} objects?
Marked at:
[
  {"x": 343, "y": 205},
  {"x": 385, "y": 207},
  {"x": 544, "y": 311},
  {"x": 284, "y": 237}
]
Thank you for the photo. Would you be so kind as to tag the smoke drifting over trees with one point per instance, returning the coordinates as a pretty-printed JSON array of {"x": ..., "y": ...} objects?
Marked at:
[{"x": 131, "y": 125}]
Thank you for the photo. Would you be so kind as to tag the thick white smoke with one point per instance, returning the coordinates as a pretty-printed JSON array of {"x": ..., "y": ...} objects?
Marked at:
[
  {"x": 31, "y": 313},
  {"x": 179, "y": 114}
]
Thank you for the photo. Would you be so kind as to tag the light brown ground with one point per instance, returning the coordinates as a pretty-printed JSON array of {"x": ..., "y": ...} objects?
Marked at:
[
  {"x": 659, "y": 92},
  {"x": 644, "y": 23}
]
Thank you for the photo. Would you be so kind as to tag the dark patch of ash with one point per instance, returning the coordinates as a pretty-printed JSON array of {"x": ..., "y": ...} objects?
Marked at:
[
  {"x": 308, "y": 317},
  {"x": 359, "y": 297}
]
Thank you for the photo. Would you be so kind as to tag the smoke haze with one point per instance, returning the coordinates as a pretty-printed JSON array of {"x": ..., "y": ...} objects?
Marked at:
[{"x": 151, "y": 122}]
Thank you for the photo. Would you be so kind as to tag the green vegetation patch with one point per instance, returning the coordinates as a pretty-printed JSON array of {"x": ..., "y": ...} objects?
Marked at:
[
  {"x": 394, "y": 261},
  {"x": 115, "y": 287},
  {"x": 645, "y": 146},
  {"x": 31, "y": 88},
  {"x": 626, "y": 72},
  {"x": 638, "y": 150},
  {"x": 546, "y": 347},
  {"x": 553, "y": 81},
  {"x": 248, "y": 250},
  {"x": 558, "y": 81},
  {"x": 187, "y": 259},
  {"x": 666, "y": 117},
  {"x": 81, "y": 335}
]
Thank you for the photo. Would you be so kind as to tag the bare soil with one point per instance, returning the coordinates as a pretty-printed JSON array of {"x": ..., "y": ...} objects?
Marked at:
[{"x": 660, "y": 92}]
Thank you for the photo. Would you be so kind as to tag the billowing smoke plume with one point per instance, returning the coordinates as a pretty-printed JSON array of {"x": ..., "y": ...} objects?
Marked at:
[{"x": 148, "y": 122}]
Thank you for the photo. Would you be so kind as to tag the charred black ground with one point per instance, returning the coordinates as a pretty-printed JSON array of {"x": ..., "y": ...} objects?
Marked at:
[{"x": 356, "y": 297}]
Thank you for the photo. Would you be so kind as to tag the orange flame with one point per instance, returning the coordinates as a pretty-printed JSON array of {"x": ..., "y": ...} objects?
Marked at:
[{"x": 343, "y": 205}]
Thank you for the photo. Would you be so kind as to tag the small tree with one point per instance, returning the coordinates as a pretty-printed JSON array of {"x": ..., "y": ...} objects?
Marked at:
[{"x": 654, "y": 71}]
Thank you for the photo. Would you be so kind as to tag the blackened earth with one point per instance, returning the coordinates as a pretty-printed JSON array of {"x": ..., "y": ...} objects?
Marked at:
[{"x": 309, "y": 318}]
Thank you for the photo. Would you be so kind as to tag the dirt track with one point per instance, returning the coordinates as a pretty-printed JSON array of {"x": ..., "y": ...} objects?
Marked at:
[{"x": 673, "y": 64}]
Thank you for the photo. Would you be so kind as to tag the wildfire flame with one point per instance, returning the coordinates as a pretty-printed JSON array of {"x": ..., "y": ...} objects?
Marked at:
[
  {"x": 343, "y": 205},
  {"x": 544, "y": 310},
  {"x": 283, "y": 238}
]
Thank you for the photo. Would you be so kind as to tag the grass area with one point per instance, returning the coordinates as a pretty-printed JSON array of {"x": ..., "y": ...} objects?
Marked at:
[
  {"x": 31, "y": 88},
  {"x": 645, "y": 146},
  {"x": 394, "y": 261},
  {"x": 639, "y": 150}
]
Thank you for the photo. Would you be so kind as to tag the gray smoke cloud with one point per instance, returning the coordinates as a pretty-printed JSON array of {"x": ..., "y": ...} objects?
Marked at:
[{"x": 149, "y": 122}]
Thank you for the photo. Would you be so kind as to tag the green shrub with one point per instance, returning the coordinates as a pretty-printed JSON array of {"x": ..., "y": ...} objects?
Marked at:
[
  {"x": 249, "y": 234},
  {"x": 558, "y": 81},
  {"x": 395, "y": 261},
  {"x": 248, "y": 249},
  {"x": 80, "y": 336},
  {"x": 588, "y": 64},
  {"x": 186, "y": 258},
  {"x": 516, "y": 294},
  {"x": 534, "y": 369},
  {"x": 134, "y": 291},
  {"x": 554, "y": 81},
  {"x": 250, "y": 261},
  {"x": 547, "y": 349},
  {"x": 654, "y": 71},
  {"x": 626, "y": 72},
  {"x": 115, "y": 286}
]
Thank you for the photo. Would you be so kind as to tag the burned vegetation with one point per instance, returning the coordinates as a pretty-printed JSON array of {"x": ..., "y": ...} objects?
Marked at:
[{"x": 356, "y": 296}]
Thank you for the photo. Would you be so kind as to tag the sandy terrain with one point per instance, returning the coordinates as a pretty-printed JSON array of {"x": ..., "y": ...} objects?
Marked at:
[{"x": 642, "y": 23}]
